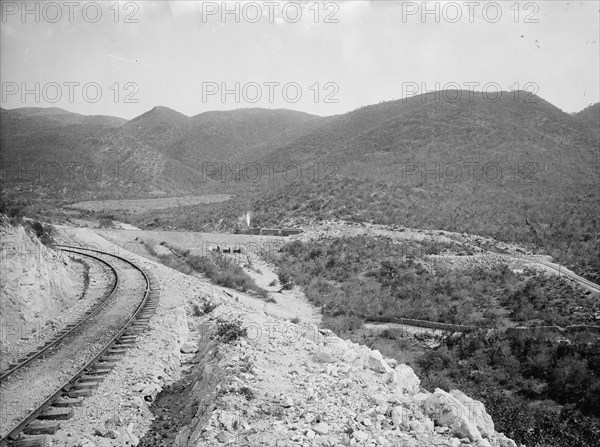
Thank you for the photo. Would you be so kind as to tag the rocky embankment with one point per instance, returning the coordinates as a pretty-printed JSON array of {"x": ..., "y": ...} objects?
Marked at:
[
  {"x": 287, "y": 384},
  {"x": 37, "y": 282}
]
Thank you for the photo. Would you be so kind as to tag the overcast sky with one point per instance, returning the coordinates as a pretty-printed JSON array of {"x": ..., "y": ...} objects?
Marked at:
[{"x": 324, "y": 58}]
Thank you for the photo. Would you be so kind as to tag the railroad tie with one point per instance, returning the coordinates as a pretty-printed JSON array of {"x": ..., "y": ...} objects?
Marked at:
[
  {"x": 33, "y": 441},
  {"x": 67, "y": 402},
  {"x": 42, "y": 428},
  {"x": 118, "y": 350},
  {"x": 135, "y": 331},
  {"x": 93, "y": 378},
  {"x": 107, "y": 358},
  {"x": 79, "y": 393},
  {"x": 83, "y": 386},
  {"x": 128, "y": 338},
  {"x": 99, "y": 370},
  {"x": 57, "y": 413},
  {"x": 107, "y": 364}
]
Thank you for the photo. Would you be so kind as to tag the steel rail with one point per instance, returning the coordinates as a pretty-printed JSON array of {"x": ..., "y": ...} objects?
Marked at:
[
  {"x": 34, "y": 356},
  {"x": 570, "y": 275},
  {"x": 15, "y": 431}
]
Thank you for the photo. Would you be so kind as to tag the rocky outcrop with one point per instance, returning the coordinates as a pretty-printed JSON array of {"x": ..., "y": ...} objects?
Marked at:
[
  {"x": 37, "y": 282},
  {"x": 298, "y": 385}
]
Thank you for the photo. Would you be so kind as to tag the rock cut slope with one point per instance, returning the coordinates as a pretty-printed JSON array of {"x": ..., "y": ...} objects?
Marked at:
[{"x": 287, "y": 384}]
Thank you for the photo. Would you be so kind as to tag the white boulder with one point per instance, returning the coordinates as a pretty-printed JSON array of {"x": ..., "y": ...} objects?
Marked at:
[
  {"x": 376, "y": 362},
  {"x": 476, "y": 413},
  {"x": 447, "y": 411},
  {"x": 404, "y": 379}
]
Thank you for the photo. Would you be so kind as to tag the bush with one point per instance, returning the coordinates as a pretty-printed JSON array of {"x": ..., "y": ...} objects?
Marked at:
[
  {"x": 248, "y": 393},
  {"x": 228, "y": 331},
  {"x": 45, "y": 233},
  {"x": 285, "y": 279},
  {"x": 434, "y": 360},
  {"x": 208, "y": 307},
  {"x": 204, "y": 309},
  {"x": 196, "y": 311},
  {"x": 13, "y": 210},
  {"x": 106, "y": 222}
]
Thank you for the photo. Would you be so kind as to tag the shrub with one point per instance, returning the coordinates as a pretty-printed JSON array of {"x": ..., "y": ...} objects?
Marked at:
[
  {"x": 45, "y": 233},
  {"x": 434, "y": 360},
  {"x": 285, "y": 280},
  {"x": 208, "y": 307},
  {"x": 12, "y": 209},
  {"x": 196, "y": 310},
  {"x": 203, "y": 309},
  {"x": 106, "y": 222},
  {"x": 228, "y": 331},
  {"x": 246, "y": 365},
  {"x": 248, "y": 393}
]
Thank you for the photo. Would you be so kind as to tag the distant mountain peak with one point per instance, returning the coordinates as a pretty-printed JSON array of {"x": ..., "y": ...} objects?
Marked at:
[
  {"x": 46, "y": 111},
  {"x": 157, "y": 116},
  {"x": 163, "y": 109}
]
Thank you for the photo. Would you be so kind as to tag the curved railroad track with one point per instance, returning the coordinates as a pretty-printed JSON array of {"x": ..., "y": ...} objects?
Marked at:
[
  {"x": 582, "y": 281},
  {"x": 69, "y": 329},
  {"x": 87, "y": 349}
]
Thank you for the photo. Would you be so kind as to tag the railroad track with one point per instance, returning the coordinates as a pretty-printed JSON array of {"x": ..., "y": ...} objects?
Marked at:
[
  {"x": 564, "y": 272},
  {"x": 44, "y": 419},
  {"x": 69, "y": 329}
]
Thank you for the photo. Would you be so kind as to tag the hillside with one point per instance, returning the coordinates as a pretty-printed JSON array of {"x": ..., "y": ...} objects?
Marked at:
[
  {"x": 214, "y": 137},
  {"x": 427, "y": 128},
  {"x": 53, "y": 156},
  {"x": 241, "y": 135},
  {"x": 52, "y": 153},
  {"x": 58, "y": 116},
  {"x": 512, "y": 169},
  {"x": 590, "y": 116},
  {"x": 518, "y": 168}
]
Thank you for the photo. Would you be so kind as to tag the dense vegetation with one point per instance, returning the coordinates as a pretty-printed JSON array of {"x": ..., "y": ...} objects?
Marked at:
[
  {"x": 521, "y": 377},
  {"x": 568, "y": 229},
  {"x": 360, "y": 276},
  {"x": 541, "y": 387}
]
